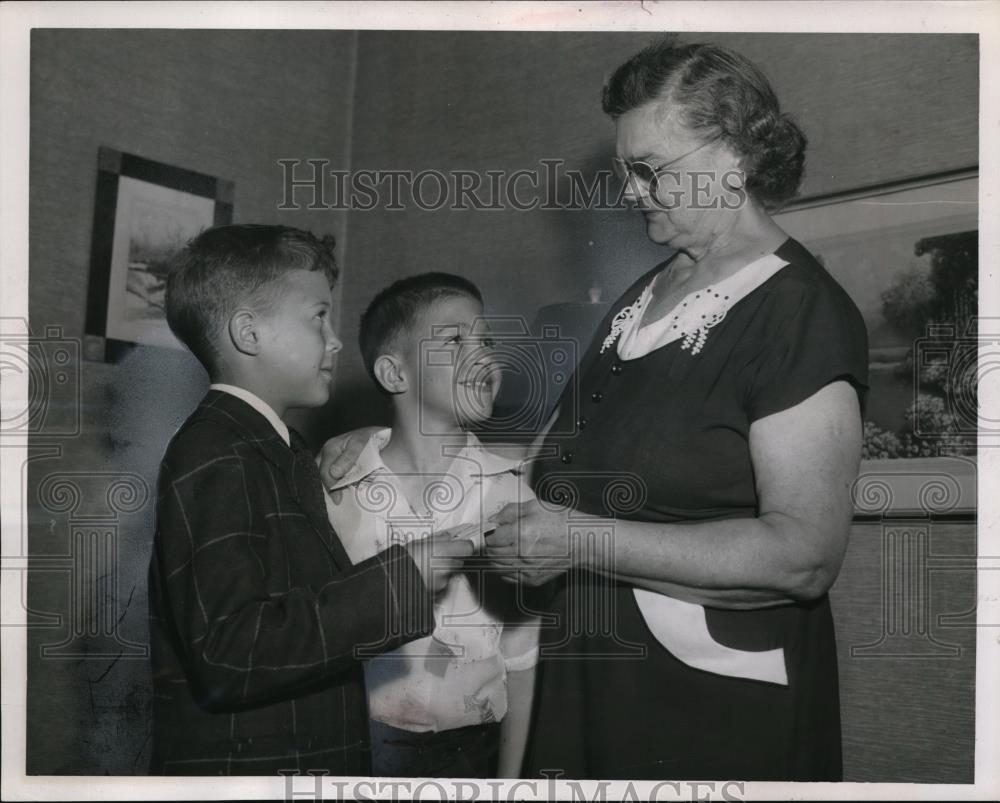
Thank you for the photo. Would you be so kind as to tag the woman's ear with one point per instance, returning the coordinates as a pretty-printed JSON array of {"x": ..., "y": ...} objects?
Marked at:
[
  {"x": 390, "y": 375},
  {"x": 244, "y": 332}
]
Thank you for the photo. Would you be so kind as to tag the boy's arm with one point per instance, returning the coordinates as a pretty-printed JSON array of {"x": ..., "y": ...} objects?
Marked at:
[
  {"x": 243, "y": 645},
  {"x": 514, "y": 727},
  {"x": 519, "y": 646}
]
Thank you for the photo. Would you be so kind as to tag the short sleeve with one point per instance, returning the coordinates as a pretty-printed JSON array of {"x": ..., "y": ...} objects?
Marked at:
[
  {"x": 519, "y": 646},
  {"x": 811, "y": 334},
  {"x": 520, "y": 636}
]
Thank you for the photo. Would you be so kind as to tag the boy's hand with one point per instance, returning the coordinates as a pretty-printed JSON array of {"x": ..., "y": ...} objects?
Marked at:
[
  {"x": 442, "y": 554},
  {"x": 340, "y": 453}
]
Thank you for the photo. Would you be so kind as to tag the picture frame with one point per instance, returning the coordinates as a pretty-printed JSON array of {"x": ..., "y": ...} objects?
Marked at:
[
  {"x": 907, "y": 254},
  {"x": 144, "y": 212}
]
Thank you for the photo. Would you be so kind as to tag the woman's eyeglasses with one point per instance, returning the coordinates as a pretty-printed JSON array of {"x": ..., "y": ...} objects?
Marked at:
[{"x": 645, "y": 172}]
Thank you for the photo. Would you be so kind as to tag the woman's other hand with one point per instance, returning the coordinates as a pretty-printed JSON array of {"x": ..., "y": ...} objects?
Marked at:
[{"x": 340, "y": 453}]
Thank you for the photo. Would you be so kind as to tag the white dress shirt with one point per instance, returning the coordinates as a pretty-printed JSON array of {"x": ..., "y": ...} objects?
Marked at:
[{"x": 456, "y": 676}]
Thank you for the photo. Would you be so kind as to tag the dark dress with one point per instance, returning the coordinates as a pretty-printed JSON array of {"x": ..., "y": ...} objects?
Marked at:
[{"x": 664, "y": 438}]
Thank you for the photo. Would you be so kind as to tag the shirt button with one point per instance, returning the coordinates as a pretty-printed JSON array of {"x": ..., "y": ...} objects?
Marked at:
[
  {"x": 582, "y": 423},
  {"x": 596, "y": 396},
  {"x": 616, "y": 369},
  {"x": 567, "y": 457}
]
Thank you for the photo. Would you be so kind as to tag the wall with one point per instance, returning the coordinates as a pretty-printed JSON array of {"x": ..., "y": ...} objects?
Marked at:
[
  {"x": 225, "y": 103},
  {"x": 905, "y": 609}
]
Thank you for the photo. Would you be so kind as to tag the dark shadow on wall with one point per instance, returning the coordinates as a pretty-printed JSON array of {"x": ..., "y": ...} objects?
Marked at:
[
  {"x": 602, "y": 250},
  {"x": 94, "y": 508},
  {"x": 355, "y": 403},
  {"x": 604, "y": 247}
]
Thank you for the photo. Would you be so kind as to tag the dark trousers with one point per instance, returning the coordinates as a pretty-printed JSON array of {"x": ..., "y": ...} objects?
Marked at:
[{"x": 469, "y": 752}]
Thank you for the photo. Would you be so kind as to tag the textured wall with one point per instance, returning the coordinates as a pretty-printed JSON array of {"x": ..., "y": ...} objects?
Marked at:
[
  {"x": 876, "y": 107},
  {"x": 905, "y": 609},
  {"x": 226, "y": 103},
  {"x": 908, "y": 706}
]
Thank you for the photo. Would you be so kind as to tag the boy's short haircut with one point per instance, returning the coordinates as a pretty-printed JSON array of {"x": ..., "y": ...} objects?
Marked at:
[
  {"x": 392, "y": 314},
  {"x": 227, "y": 267}
]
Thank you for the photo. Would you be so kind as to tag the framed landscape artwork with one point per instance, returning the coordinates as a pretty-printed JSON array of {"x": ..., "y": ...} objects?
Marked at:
[
  {"x": 145, "y": 212},
  {"x": 908, "y": 257}
]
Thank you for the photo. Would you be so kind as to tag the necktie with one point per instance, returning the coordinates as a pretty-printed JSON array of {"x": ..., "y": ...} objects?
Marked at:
[{"x": 307, "y": 480}]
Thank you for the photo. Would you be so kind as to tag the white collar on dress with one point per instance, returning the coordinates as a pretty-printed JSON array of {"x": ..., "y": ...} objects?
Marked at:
[
  {"x": 694, "y": 314},
  {"x": 258, "y": 404}
]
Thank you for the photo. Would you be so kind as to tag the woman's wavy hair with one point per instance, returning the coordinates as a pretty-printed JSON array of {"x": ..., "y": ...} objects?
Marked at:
[{"x": 718, "y": 93}]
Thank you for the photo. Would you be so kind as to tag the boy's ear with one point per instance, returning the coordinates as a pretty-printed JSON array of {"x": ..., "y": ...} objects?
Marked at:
[
  {"x": 389, "y": 372},
  {"x": 244, "y": 332}
]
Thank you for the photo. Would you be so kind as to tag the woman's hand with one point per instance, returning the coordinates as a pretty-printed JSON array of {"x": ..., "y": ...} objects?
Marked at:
[
  {"x": 531, "y": 543},
  {"x": 340, "y": 453}
]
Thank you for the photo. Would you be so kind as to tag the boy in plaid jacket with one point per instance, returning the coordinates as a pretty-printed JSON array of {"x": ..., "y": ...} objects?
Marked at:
[{"x": 256, "y": 612}]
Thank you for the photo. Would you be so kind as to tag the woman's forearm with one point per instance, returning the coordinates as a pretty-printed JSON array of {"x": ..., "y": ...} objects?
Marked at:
[
  {"x": 805, "y": 461},
  {"x": 735, "y": 563},
  {"x": 730, "y": 598}
]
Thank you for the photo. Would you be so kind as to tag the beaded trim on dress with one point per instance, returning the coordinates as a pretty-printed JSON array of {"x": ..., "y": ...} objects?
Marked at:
[
  {"x": 693, "y": 317},
  {"x": 695, "y": 337},
  {"x": 692, "y": 337},
  {"x": 625, "y": 315}
]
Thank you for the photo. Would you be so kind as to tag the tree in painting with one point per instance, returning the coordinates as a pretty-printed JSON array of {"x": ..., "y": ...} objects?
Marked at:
[{"x": 937, "y": 309}]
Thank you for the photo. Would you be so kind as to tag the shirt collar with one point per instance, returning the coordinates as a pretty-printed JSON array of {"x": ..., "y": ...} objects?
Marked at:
[
  {"x": 258, "y": 404},
  {"x": 490, "y": 463},
  {"x": 370, "y": 460}
]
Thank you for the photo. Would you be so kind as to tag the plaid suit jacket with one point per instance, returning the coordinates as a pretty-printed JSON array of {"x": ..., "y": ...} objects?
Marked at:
[{"x": 256, "y": 610}]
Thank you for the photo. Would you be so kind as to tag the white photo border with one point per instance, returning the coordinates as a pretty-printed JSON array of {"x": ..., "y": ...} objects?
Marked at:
[{"x": 16, "y": 21}]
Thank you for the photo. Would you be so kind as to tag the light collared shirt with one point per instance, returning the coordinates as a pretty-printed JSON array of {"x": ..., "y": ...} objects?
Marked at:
[
  {"x": 258, "y": 404},
  {"x": 457, "y": 676}
]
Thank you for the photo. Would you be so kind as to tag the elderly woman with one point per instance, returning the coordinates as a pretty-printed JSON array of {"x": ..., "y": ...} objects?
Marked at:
[
  {"x": 717, "y": 436},
  {"x": 687, "y": 532}
]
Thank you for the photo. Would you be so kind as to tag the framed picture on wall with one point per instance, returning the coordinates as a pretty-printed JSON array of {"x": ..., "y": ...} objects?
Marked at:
[
  {"x": 145, "y": 211},
  {"x": 907, "y": 255}
]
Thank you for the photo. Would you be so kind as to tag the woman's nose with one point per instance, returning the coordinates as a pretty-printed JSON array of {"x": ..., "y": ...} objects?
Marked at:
[{"x": 635, "y": 190}]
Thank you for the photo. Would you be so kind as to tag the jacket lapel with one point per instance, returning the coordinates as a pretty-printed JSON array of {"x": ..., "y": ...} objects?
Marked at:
[
  {"x": 308, "y": 490},
  {"x": 303, "y": 482}
]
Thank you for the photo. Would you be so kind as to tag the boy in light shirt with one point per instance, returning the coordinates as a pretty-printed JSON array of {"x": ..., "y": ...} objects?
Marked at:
[{"x": 455, "y": 703}]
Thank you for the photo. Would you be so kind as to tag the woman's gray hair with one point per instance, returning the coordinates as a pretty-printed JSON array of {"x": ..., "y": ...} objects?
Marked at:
[{"x": 718, "y": 93}]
